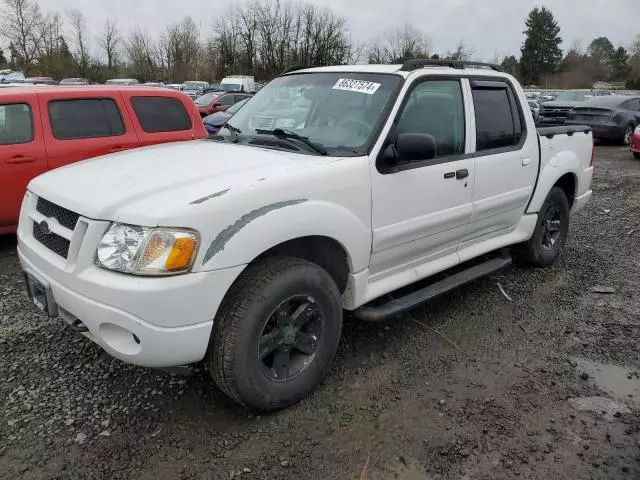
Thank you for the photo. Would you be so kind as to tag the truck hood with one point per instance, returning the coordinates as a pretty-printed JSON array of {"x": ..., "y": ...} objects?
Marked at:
[{"x": 148, "y": 185}]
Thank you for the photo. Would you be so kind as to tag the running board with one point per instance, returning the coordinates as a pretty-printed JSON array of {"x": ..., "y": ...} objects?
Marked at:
[{"x": 413, "y": 299}]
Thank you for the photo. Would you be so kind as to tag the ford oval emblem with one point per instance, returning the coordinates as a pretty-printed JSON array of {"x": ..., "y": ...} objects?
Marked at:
[{"x": 45, "y": 227}]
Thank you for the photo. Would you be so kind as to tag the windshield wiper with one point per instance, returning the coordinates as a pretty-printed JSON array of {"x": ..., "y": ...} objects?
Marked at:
[
  {"x": 289, "y": 135},
  {"x": 235, "y": 131}
]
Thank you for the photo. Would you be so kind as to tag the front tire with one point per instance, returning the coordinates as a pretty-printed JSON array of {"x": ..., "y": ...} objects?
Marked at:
[
  {"x": 276, "y": 333},
  {"x": 551, "y": 231}
]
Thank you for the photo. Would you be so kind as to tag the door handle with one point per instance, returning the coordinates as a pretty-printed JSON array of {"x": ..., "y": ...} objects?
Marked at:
[
  {"x": 460, "y": 174},
  {"x": 21, "y": 159},
  {"x": 526, "y": 161}
]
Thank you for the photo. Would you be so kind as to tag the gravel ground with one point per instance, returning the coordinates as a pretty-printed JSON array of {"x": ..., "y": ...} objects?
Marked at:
[{"x": 545, "y": 384}]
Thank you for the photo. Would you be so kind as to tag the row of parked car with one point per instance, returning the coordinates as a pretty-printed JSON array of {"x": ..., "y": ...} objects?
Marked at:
[{"x": 613, "y": 116}]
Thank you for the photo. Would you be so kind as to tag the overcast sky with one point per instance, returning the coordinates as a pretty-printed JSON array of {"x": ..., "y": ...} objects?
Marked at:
[{"x": 488, "y": 26}]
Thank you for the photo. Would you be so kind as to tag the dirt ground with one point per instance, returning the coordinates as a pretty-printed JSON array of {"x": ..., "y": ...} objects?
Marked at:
[{"x": 544, "y": 384}]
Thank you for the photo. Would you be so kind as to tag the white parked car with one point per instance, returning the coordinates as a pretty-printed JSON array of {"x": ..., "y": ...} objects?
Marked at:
[{"x": 244, "y": 249}]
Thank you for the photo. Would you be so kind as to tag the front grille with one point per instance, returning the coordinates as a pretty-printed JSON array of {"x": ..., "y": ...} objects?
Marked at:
[
  {"x": 53, "y": 242},
  {"x": 65, "y": 217}
]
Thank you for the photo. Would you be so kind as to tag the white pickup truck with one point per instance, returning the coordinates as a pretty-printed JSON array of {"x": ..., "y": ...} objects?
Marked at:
[{"x": 330, "y": 190}]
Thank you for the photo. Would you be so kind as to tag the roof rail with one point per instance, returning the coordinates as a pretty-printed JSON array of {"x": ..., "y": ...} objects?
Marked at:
[
  {"x": 417, "y": 63},
  {"x": 295, "y": 68}
]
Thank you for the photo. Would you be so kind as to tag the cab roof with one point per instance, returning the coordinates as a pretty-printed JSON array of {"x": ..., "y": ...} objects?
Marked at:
[
  {"x": 82, "y": 89},
  {"x": 401, "y": 70}
]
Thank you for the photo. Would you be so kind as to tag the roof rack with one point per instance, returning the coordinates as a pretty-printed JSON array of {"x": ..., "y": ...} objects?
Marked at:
[
  {"x": 417, "y": 63},
  {"x": 297, "y": 67}
]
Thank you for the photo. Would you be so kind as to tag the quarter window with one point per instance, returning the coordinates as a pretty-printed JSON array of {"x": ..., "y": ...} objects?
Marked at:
[
  {"x": 436, "y": 108},
  {"x": 161, "y": 114},
  {"x": 16, "y": 124},
  {"x": 85, "y": 118},
  {"x": 498, "y": 122}
]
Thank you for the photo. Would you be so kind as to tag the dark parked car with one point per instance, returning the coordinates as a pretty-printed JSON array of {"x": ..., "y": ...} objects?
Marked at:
[
  {"x": 215, "y": 121},
  {"x": 555, "y": 112},
  {"x": 612, "y": 118}
]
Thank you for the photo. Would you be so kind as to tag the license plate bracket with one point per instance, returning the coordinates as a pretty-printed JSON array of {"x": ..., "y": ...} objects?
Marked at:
[{"x": 41, "y": 295}]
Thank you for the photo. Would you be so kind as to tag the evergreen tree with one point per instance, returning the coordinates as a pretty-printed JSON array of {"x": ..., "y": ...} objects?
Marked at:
[
  {"x": 541, "y": 53},
  {"x": 620, "y": 64}
]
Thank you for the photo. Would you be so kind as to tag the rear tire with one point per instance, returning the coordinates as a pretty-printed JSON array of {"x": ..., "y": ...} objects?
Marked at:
[
  {"x": 550, "y": 234},
  {"x": 276, "y": 333}
]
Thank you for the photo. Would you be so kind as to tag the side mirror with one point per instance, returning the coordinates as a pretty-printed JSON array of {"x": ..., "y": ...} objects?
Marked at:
[{"x": 415, "y": 146}]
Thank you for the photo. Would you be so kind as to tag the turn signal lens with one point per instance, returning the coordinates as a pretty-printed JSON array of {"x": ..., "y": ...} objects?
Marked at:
[
  {"x": 167, "y": 251},
  {"x": 181, "y": 254}
]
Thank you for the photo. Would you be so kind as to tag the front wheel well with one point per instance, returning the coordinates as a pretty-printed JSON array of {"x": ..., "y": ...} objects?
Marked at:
[
  {"x": 568, "y": 185},
  {"x": 323, "y": 251}
]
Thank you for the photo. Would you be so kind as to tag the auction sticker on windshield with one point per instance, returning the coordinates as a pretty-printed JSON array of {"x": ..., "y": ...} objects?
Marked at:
[{"x": 352, "y": 85}]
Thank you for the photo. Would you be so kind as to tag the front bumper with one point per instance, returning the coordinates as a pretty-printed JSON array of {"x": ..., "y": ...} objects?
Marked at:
[
  {"x": 634, "y": 146},
  {"x": 147, "y": 321}
]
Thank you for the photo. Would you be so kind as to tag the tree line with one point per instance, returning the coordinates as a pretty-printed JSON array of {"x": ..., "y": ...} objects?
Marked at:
[{"x": 266, "y": 37}]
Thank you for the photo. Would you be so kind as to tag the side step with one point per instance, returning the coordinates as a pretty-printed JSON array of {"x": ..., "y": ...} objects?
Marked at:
[{"x": 413, "y": 299}]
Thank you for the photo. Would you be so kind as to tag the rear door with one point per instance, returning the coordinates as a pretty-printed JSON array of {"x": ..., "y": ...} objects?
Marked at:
[
  {"x": 160, "y": 119},
  {"x": 22, "y": 153},
  {"x": 77, "y": 128},
  {"x": 506, "y": 160}
]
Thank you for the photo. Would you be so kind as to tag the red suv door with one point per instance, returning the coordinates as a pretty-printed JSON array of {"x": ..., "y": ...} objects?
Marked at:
[
  {"x": 22, "y": 153},
  {"x": 81, "y": 125},
  {"x": 161, "y": 117}
]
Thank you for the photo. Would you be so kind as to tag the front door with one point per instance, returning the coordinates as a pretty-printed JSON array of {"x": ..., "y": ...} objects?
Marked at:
[{"x": 421, "y": 210}]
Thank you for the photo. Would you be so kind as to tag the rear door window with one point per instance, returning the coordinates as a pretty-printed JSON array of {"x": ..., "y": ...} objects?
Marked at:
[
  {"x": 16, "y": 123},
  {"x": 498, "y": 122},
  {"x": 161, "y": 114},
  {"x": 85, "y": 118}
]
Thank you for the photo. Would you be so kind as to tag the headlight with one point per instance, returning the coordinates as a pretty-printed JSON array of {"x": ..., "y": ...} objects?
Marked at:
[
  {"x": 147, "y": 251},
  {"x": 638, "y": 130}
]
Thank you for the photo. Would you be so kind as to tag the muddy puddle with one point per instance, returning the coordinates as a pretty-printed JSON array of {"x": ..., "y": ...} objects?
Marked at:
[{"x": 619, "y": 383}]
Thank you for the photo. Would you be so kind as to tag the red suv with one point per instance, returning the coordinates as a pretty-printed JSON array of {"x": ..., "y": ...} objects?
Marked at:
[
  {"x": 45, "y": 128},
  {"x": 217, "y": 101}
]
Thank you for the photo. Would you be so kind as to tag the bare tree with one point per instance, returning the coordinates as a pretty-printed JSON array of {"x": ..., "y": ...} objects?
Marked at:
[
  {"x": 462, "y": 52},
  {"x": 142, "y": 55},
  {"x": 180, "y": 50},
  {"x": 110, "y": 41},
  {"x": 21, "y": 22},
  {"x": 399, "y": 45},
  {"x": 51, "y": 29},
  {"x": 79, "y": 41}
]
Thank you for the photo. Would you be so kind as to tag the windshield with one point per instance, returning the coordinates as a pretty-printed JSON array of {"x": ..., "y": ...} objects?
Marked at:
[
  {"x": 571, "y": 96},
  {"x": 231, "y": 87},
  {"x": 333, "y": 110},
  {"x": 206, "y": 99}
]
